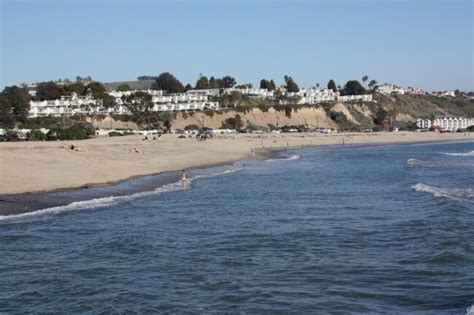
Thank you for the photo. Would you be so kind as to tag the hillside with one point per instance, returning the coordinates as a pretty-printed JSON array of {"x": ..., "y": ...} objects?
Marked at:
[{"x": 134, "y": 85}]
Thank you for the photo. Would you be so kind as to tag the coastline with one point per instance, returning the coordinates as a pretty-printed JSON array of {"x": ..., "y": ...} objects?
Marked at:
[
  {"x": 29, "y": 170},
  {"x": 26, "y": 203}
]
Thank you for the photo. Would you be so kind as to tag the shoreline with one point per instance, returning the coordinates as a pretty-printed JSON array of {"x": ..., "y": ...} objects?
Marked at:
[
  {"x": 26, "y": 203},
  {"x": 245, "y": 144}
]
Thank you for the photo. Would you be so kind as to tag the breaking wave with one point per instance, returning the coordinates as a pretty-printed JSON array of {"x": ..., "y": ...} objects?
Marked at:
[
  {"x": 470, "y": 310},
  {"x": 471, "y": 153},
  {"x": 452, "y": 193},
  {"x": 113, "y": 200},
  {"x": 290, "y": 158},
  {"x": 422, "y": 163}
]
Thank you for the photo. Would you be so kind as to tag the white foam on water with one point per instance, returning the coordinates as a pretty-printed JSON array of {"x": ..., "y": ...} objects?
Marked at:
[
  {"x": 422, "y": 163},
  {"x": 471, "y": 153},
  {"x": 290, "y": 158},
  {"x": 452, "y": 193},
  {"x": 112, "y": 200},
  {"x": 470, "y": 310}
]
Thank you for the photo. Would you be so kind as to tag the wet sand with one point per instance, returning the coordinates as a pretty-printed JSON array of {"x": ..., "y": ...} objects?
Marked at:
[{"x": 28, "y": 167}]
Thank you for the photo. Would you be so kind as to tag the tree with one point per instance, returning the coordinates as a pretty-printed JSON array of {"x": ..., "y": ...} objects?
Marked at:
[
  {"x": 233, "y": 123},
  {"x": 48, "y": 91},
  {"x": 365, "y": 78},
  {"x": 272, "y": 86},
  {"x": 291, "y": 86},
  {"x": 188, "y": 87},
  {"x": 77, "y": 88},
  {"x": 168, "y": 82},
  {"x": 99, "y": 92},
  {"x": 266, "y": 84},
  {"x": 15, "y": 104},
  {"x": 227, "y": 82},
  {"x": 372, "y": 84},
  {"x": 332, "y": 85},
  {"x": 353, "y": 87},
  {"x": 139, "y": 104},
  {"x": 380, "y": 116},
  {"x": 213, "y": 83},
  {"x": 317, "y": 85},
  {"x": 124, "y": 87},
  {"x": 202, "y": 83}
]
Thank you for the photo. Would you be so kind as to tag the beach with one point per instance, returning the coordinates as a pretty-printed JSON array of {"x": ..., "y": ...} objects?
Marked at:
[{"x": 27, "y": 167}]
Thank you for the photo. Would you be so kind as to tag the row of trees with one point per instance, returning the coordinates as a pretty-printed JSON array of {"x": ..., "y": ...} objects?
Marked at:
[{"x": 53, "y": 91}]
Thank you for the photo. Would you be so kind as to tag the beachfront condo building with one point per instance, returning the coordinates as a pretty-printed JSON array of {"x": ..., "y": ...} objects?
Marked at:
[{"x": 452, "y": 123}]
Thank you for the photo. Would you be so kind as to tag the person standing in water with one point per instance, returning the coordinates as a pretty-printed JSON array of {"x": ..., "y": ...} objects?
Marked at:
[{"x": 183, "y": 178}]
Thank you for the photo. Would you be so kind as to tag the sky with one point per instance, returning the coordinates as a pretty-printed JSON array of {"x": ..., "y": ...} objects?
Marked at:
[{"x": 421, "y": 43}]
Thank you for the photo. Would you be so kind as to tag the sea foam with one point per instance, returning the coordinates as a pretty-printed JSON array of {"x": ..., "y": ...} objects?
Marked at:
[
  {"x": 422, "y": 163},
  {"x": 470, "y": 310},
  {"x": 290, "y": 158},
  {"x": 452, "y": 193},
  {"x": 471, "y": 153},
  {"x": 112, "y": 200}
]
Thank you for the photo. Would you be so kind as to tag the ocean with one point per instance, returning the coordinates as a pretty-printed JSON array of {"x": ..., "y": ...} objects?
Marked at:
[{"x": 354, "y": 229}]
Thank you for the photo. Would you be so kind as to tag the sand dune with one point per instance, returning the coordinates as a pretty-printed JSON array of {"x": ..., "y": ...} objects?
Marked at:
[{"x": 43, "y": 166}]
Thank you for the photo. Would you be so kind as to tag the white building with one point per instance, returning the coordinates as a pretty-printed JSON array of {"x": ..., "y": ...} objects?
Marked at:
[
  {"x": 423, "y": 123},
  {"x": 172, "y": 102},
  {"x": 261, "y": 93},
  {"x": 444, "y": 93},
  {"x": 208, "y": 92},
  {"x": 66, "y": 106},
  {"x": 452, "y": 123},
  {"x": 389, "y": 89},
  {"x": 314, "y": 96},
  {"x": 347, "y": 98},
  {"x": 414, "y": 90}
]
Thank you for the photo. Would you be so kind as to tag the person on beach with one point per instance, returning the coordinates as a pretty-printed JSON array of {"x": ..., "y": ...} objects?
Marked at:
[{"x": 183, "y": 178}]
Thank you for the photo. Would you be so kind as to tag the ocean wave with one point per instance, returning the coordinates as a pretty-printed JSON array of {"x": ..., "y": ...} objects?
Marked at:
[
  {"x": 452, "y": 193},
  {"x": 470, "y": 310},
  {"x": 290, "y": 158},
  {"x": 471, "y": 153},
  {"x": 422, "y": 163},
  {"x": 113, "y": 200}
]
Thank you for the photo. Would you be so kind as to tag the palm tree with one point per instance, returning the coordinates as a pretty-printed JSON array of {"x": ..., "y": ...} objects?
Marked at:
[{"x": 365, "y": 78}]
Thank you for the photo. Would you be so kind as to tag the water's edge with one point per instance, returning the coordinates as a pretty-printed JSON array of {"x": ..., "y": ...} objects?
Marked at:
[{"x": 17, "y": 204}]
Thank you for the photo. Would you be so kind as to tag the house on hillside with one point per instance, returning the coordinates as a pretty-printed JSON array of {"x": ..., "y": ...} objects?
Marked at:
[{"x": 389, "y": 89}]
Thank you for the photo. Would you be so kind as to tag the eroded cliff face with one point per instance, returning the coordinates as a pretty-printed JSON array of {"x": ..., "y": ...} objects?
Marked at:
[{"x": 308, "y": 116}]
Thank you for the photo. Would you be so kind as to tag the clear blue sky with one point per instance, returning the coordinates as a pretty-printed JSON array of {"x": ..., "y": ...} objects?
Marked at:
[{"x": 420, "y": 43}]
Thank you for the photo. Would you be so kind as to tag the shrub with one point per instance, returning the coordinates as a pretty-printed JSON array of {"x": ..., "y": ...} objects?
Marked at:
[
  {"x": 77, "y": 132},
  {"x": 36, "y": 135},
  {"x": 191, "y": 127},
  {"x": 115, "y": 134},
  {"x": 209, "y": 113},
  {"x": 338, "y": 117}
]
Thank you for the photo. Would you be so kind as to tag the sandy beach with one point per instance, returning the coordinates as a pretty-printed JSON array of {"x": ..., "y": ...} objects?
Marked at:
[{"x": 27, "y": 167}]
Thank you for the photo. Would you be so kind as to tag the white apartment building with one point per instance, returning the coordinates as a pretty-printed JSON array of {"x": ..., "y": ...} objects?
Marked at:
[
  {"x": 348, "y": 98},
  {"x": 452, "y": 123},
  {"x": 423, "y": 123},
  {"x": 172, "y": 102},
  {"x": 313, "y": 96},
  {"x": 66, "y": 106},
  {"x": 262, "y": 93},
  {"x": 208, "y": 92}
]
